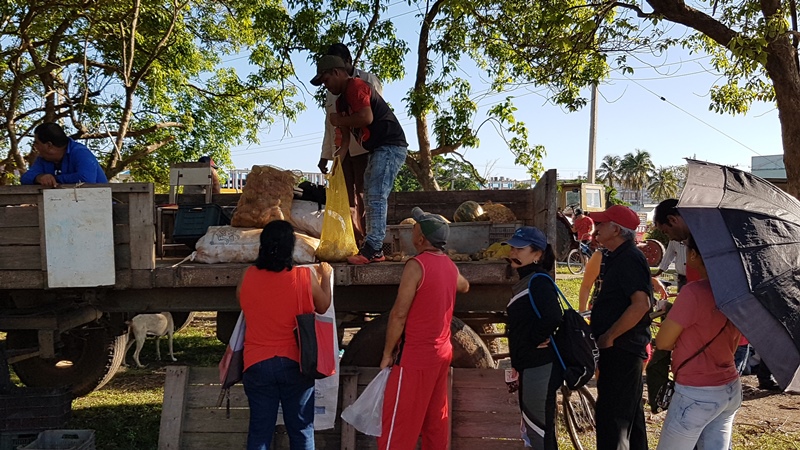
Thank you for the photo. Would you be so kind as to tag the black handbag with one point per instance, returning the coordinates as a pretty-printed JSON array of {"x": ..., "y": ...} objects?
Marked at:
[{"x": 665, "y": 393}]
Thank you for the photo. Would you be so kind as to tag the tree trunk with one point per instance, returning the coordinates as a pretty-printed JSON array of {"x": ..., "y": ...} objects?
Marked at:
[
  {"x": 421, "y": 167},
  {"x": 781, "y": 68}
]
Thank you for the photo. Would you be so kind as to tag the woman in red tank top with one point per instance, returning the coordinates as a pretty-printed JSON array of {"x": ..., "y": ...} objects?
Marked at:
[{"x": 272, "y": 292}]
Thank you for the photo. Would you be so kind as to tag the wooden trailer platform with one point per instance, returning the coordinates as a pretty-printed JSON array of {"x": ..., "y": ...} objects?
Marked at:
[{"x": 483, "y": 414}]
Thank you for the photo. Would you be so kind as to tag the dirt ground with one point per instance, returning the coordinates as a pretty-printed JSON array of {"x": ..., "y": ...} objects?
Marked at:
[{"x": 761, "y": 412}]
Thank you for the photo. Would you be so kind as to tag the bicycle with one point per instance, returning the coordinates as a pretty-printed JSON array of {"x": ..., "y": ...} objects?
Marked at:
[
  {"x": 578, "y": 412},
  {"x": 577, "y": 257}
]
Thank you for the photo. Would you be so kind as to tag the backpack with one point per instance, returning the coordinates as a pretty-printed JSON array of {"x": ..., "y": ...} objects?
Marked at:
[{"x": 573, "y": 342}]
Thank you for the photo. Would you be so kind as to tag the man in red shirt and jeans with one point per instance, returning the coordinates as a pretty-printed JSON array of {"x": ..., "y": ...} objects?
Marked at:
[
  {"x": 418, "y": 342},
  {"x": 362, "y": 114}
]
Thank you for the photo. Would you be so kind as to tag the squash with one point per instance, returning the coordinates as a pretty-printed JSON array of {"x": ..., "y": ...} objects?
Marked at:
[{"x": 469, "y": 211}]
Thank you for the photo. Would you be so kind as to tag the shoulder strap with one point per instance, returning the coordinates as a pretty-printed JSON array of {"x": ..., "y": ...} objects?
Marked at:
[
  {"x": 300, "y": 297},
  {"x": 562, "y": 298},
  {"x": 538, "y": 314},
  {"x": 703, "y": 348}
]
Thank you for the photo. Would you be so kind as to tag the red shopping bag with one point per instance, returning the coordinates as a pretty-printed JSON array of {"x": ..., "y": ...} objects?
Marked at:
[{"x": 315, "y": 335}]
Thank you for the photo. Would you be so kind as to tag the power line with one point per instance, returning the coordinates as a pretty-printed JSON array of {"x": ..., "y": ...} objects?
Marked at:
[{"x": 662, "y": 98}]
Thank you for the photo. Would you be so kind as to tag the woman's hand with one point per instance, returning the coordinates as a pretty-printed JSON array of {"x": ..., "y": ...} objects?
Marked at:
[
  {"x": 387, "y": 361},
  {"x": 325, "y": 270}
]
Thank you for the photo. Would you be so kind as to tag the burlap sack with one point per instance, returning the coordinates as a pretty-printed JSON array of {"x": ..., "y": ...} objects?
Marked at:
[{"x": 266, "y": 188}]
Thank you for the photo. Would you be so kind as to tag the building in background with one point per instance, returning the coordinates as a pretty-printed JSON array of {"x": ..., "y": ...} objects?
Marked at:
[{"x": 770, "y": 168}]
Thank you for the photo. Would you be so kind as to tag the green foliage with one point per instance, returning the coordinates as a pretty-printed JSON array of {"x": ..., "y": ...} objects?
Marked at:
[
  {"x": 655, "y": 233},
  {"x": 609, "y": 171},
  {"x": 612, "y": 197},
  {"x": 451, "y": 175},
  {"x": 665, "y": 183}
]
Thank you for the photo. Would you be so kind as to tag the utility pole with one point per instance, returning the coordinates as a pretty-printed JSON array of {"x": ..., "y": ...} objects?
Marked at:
[{"x": 591, "y": 175}]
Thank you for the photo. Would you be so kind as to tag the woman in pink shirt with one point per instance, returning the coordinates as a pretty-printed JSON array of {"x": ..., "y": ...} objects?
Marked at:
[{"x": 708, "y": 391}]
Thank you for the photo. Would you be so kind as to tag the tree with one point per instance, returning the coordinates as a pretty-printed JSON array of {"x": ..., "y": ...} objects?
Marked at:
[
  {"x": 753, "y": 45},
  {"x": 139, "y": 81},
  {"x": 609, "y": 171},
  {"x": 636, "y": 170},
  {"x": 451, "y": 174},
  {"x": 664, "y": 184}
]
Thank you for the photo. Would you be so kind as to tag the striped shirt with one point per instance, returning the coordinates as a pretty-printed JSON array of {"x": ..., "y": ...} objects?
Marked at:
[{"x": 675, "y": 250}]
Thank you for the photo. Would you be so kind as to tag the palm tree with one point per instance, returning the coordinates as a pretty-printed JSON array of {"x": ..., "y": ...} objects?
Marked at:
[
  {"x": 636, "y": 169},
  {"x": 609, "y": 171},
  {"x": 664, "y": 184}
]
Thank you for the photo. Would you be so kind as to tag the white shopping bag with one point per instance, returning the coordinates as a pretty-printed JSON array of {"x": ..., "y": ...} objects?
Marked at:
[{"x": 365, "y": 413}]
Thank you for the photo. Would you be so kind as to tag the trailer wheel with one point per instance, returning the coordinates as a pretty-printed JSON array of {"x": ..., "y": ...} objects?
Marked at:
[
  {"x": 366, "y": 348},
  {"x": 563, "y": 240},
  {"x": 182, "y": 319},
  {"x": 87, "y": 360}
]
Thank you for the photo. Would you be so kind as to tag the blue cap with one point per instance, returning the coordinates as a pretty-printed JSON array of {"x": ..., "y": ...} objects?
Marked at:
[{"x": 525, "y": 236}]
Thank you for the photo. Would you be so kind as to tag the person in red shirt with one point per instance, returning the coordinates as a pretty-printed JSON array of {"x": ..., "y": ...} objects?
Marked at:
[
  {"x": 271, "y": 293},
  {"x": 708, "y": 391},
  {"x": 362, "y": 114},
  {"x": 583, "y": 226},
  {"x": 418, "y": 342}
]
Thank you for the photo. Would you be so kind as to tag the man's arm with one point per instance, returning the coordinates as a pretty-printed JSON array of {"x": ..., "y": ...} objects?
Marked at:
[
  {"x": 328, "y": 138},
  {"x": 640, "y": 305},
  {"x": 669, "y": 255},
  {"x": 358, "y": 119},
  {"x": 37, "y": 168},
  {"x": 463, "y": 285},
  {"x": 412, "y": 274}
]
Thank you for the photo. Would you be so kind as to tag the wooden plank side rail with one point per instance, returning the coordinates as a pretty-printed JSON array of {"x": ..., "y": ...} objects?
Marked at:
[{"x": 483, "y": 415}]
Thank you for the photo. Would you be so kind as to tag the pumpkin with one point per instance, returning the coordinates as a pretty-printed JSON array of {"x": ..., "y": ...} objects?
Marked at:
[{"x": 469, "y": 211}]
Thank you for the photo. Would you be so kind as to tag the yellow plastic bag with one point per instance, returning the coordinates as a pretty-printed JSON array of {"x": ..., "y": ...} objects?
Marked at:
[{"x": 337, "y": 241}]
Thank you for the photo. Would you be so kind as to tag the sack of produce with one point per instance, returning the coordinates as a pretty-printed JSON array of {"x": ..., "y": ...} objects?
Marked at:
[
  {"x": 337, "y": 241},
  {"x": 498, "y": 213},
  {"x": 228, "y": 244},
  {"x": 266, "y": 190},
  {"x": 307, "y": 217}
]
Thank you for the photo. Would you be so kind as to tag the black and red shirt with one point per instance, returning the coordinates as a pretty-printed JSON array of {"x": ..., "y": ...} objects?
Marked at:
[{"x": 385, "y": 129}]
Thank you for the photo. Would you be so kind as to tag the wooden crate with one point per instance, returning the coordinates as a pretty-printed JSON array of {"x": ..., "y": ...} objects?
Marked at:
[{"x": 484, "y": 415}]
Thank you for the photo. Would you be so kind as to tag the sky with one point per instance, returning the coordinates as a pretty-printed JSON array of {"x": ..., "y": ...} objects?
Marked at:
[{"x": 662, "y": 108}]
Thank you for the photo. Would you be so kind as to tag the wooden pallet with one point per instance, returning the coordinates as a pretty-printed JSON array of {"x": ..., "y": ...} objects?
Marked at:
[{"x": 484, "y": 415}]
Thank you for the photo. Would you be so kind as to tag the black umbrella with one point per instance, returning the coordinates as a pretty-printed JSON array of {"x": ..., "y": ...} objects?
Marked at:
[{"x": 748, "y": 232}]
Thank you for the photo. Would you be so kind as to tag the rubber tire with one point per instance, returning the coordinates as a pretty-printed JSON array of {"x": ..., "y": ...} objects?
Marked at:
[
  {"x": 182, "y": 319},
  {"x": 96, "y": 352},
  {"x": 563, "y": 241},
  {"x": 366, "y": 347},
  {"x": 575, "y": 262},
  {"x": 582, "y": 399},
  {"x": 226, "y": 322}
]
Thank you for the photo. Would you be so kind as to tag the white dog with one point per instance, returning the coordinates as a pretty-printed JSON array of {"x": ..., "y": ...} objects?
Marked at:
[{"x": 144, "y": 325}]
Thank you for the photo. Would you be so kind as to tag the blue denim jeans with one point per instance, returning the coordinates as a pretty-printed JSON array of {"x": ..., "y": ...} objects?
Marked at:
[
  {"x": 701, "y": 416},
  {"x": 278, "y": 381},
  {"x": 382, "y": 168}
]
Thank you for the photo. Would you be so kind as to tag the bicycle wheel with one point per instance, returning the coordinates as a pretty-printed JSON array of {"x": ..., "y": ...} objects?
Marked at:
[
  {"x": 575, "y": 261},
  {"x": 579, "y": 414}
]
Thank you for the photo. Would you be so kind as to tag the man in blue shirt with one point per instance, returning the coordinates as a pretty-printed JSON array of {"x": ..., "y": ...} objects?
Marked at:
[{"x": 61, "y": 160}]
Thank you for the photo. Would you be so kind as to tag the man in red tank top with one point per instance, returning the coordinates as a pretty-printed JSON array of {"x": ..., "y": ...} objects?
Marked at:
[{"x": 418, "y": 342}]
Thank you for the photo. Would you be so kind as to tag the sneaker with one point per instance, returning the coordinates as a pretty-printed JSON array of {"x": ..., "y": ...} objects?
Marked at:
[
  {"x": 365, "y": 256},
  {"x": 769, "y": 385}
]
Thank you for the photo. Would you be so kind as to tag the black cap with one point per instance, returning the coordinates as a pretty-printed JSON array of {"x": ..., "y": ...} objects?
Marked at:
[
  {"x": 207, "y": 160},
  {"x": 340, "y": 50},
  {"x": 326, "y": 63}
]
